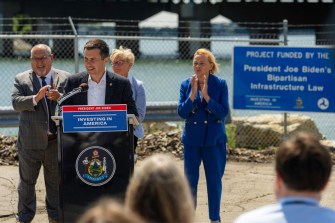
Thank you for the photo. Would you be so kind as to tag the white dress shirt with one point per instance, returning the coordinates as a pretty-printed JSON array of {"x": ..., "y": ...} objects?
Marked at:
[{"x": 96, "y": 91}]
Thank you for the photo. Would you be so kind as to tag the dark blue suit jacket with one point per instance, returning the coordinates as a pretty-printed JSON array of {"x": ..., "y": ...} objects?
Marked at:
[
  {"x": 118, "y": 91},
  {"x": 204, "y": 123}
]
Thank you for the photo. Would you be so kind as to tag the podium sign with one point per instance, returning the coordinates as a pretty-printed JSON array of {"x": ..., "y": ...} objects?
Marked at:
[
  {"x": 101, "y": 118},
  {"x": 95, "y": 156}
]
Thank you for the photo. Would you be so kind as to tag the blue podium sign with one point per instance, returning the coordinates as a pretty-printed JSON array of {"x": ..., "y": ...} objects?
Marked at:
[
  {"x": 97, "y": 118},
  {"x": 284, "y": 78}
]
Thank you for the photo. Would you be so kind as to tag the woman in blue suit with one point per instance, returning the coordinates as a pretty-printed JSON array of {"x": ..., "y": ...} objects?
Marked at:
[{"x": 203, "y": 103}]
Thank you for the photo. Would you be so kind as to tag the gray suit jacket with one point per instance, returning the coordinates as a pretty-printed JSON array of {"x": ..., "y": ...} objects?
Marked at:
[{"x": 33, "y": 120}]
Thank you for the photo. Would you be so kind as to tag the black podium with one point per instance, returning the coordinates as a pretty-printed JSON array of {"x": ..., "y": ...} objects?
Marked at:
[{"x": 92, "y": 165}]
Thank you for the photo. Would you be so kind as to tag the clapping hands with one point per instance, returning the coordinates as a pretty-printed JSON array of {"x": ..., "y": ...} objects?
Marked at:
[
  {"x": 53, "y": 93},
  {"x": 196, "y": 85}
]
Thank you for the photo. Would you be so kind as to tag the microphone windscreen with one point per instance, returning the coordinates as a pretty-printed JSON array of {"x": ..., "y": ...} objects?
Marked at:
[
  {"x": 60, "y": 89},
  {"x": 83, "y": 87}
]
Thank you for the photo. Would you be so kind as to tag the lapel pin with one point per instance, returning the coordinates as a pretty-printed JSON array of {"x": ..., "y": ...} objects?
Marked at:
[{"x": 110, "y": 84}]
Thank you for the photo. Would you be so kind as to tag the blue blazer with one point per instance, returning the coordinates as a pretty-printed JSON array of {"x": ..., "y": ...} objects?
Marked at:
[
  {"x": 140, "y": 100},
  {"x": 204, "y": 122}
]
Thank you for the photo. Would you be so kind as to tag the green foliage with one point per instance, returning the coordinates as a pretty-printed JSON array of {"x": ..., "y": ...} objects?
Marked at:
[
  {"x": 231, "y": 135},
  {"x": 260, "y": 148}
]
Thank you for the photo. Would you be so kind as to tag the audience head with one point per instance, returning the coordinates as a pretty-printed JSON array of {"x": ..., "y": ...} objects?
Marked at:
[
  {"x": 122, "y": 60},
  {"x": 303, "y": 163},
  {"x": 41, "y": 59},
  {"x": 159, "y": 192},
  {"x": 109, "y": 211}
]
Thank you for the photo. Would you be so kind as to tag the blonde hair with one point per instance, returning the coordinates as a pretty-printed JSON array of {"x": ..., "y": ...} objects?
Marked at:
[
  {"x": 109, "y": 211},
  {"x": 159, "y": 192},
  {"x": 210, "y": 56},
  {"x": 124, "y": 53}
]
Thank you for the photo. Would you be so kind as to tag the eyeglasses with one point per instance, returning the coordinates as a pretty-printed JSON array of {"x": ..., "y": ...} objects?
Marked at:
[
  {"x": 37, "y": 59},
  {"x": 118, "y": 63}
]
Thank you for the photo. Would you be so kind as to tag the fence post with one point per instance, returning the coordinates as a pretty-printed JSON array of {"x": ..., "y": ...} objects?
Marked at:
[
  {"x": 285, "y": 32},
  {"x": 76, "y": 55}
]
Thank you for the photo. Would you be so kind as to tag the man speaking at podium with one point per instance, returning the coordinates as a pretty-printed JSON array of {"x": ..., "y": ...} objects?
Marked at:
[{"x": 104, "y": 86}]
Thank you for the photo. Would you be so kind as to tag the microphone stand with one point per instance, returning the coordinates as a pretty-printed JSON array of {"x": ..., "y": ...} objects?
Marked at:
[
  {"x": 58, "y": 110},
  {"x": 64, "y": 97}
]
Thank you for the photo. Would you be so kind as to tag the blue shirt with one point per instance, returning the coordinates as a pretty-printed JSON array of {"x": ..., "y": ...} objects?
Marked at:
[{"x": 290, "y": 210}]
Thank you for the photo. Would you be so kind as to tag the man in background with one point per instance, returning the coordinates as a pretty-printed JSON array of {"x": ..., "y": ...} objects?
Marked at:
[
  {"x": 303, "y": 168},
  {"x": 35, "y": 93}
]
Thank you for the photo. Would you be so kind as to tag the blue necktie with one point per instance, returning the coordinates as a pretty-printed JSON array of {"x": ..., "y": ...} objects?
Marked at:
[{"x": 52, "y": 125}]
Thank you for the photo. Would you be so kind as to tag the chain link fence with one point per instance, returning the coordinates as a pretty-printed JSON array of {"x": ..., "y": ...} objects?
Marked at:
[{"x": 164, "y": 59}]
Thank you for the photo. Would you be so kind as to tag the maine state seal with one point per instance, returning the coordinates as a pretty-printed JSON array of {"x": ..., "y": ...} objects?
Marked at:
[{"x": 95, "y": 166}]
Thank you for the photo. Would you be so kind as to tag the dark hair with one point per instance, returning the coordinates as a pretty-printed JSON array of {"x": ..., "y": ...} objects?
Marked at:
[
  {"x": 98, "y": 44},
  {"x": 303, "y": 163}
]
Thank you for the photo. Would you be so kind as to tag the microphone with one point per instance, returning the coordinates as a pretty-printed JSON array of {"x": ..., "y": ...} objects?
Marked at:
[{"x": 83, "y": 87}]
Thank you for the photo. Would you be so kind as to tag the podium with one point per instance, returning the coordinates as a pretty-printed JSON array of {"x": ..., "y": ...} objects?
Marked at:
[{"x": 92, "y": 165}]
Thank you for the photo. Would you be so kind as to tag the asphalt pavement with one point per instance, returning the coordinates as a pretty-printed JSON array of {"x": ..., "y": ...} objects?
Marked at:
[{"x": 246, "y": 186}]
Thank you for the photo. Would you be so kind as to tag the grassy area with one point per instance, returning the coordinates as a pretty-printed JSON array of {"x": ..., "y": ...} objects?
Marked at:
[{"x": 231, "y": 135}]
